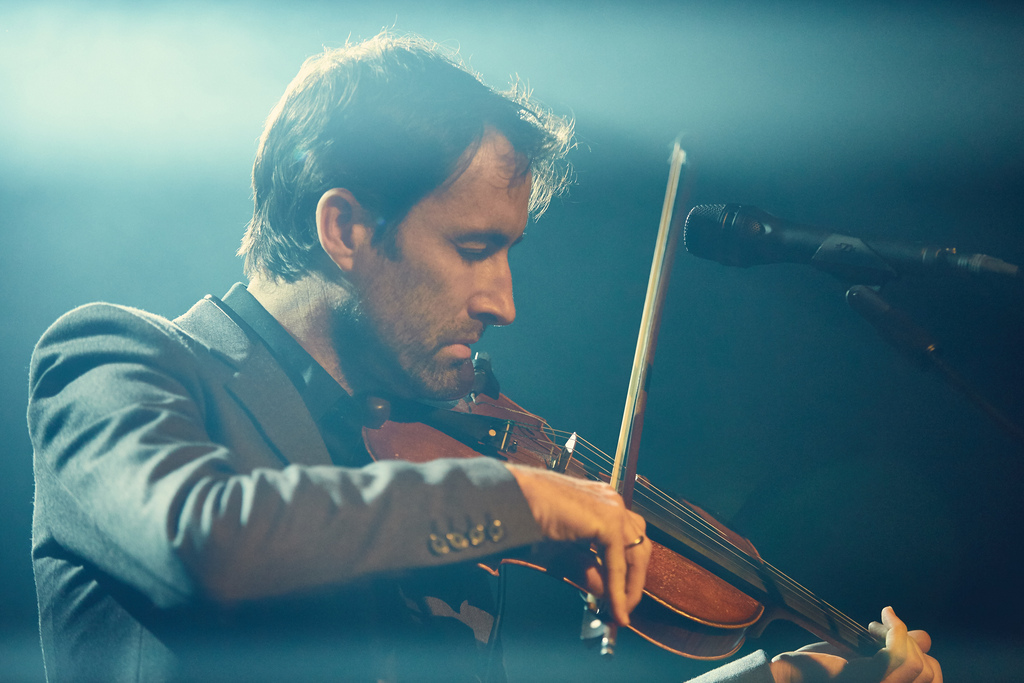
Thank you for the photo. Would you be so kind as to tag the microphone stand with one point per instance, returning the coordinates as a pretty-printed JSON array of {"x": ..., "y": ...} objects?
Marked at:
[{"x": 912, "y": 340}]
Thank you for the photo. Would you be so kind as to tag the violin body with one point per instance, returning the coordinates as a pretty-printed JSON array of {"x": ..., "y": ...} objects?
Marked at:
[{"x": 686, "y": 608}]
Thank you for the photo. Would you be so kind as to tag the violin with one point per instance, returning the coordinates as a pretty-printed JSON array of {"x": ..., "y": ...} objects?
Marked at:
[{"x": 707, "y": 588}]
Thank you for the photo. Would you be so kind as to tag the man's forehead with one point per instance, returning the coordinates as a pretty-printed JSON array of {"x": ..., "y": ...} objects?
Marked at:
[{"x": 493, "y": 161}]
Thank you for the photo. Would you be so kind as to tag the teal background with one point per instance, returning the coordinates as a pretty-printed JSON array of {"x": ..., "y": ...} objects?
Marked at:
[{"x": 127, "y": 133}]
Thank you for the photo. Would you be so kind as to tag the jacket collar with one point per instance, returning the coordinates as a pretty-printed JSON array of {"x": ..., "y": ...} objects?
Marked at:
[{"x": 258, "y": 383}]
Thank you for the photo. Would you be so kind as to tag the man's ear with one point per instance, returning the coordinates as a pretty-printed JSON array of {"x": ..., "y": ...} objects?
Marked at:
[{"x": 341, "y": 227}]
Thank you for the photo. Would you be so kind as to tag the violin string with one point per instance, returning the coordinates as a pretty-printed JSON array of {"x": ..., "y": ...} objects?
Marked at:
[{"x": 831, "y": 617}]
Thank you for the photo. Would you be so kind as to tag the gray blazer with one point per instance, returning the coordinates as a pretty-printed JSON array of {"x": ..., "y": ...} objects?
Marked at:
[{"x": 190, "y": 525}]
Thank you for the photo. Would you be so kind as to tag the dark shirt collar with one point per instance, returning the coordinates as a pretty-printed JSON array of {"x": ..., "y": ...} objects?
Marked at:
[{"x": 320, "y": 392}]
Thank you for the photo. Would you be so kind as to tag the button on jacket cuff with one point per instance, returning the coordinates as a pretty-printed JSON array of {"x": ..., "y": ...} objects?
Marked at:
[{"x": 496, "y": 516}]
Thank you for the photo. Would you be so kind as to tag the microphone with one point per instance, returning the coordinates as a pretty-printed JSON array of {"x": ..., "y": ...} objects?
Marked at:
[{"x": 737, "y": 235}]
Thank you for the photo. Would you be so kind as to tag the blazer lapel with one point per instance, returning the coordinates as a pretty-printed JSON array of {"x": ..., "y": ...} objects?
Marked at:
[
  {"x": 266, "y": 393},
  {"x": 260, "y": 386}
]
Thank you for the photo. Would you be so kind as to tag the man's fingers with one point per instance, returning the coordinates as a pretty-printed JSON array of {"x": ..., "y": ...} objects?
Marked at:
[
  {"x": 923, "y": 640},
  {"x": 625, "y": 563},
  {"x": 638, "y": 556},
  {"x": 896, "y": 641},
  {"x": 615, "y": 575},
  {"x": 907, "y": 661},
  {"x": 594, "y": 580},
  {"x": 878, "y": 630},
  {"x": 890, "y": 619},
  {"x": 637, "y": 559},
  {"x": 569, "y": 509}
]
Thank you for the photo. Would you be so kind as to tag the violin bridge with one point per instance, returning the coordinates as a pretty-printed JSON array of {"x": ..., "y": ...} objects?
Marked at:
[{"x": 560, "y": 460}]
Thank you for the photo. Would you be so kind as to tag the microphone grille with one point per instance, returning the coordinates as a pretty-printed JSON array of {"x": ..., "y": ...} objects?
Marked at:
[{"x": 702, "y": 232}]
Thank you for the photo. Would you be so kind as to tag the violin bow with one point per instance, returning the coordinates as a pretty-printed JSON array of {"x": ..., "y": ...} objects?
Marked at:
[{"x": 627, "y": 452}]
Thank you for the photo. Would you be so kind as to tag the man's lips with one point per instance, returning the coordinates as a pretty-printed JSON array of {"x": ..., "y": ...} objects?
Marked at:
[{"x": 460, "y": 347}]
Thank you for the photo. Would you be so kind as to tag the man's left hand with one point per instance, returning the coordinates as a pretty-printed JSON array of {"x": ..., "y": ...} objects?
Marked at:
[{"x": 904, "y": 659}]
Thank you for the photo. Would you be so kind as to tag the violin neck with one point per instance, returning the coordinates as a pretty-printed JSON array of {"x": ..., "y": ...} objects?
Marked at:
[
  {"x": 804, "y": 608},
  {"x": 701, "y": 542}
]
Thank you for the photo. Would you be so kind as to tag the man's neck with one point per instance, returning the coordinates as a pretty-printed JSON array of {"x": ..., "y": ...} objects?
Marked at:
[{"x": 305, "y": 309}]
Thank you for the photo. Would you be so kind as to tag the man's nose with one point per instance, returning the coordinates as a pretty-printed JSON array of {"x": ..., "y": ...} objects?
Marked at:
[{"x": 493, "y": 303}]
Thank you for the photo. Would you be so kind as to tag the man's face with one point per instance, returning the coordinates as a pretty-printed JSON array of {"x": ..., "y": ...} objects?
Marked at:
[{"x": 419, "y": 312}]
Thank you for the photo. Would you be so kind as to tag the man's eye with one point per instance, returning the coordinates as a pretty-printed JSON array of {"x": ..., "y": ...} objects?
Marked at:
[{"x": 474, "y": 253}]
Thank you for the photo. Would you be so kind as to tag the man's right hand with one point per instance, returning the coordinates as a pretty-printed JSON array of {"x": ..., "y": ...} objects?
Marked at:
[{"x": 570, "y": 509}]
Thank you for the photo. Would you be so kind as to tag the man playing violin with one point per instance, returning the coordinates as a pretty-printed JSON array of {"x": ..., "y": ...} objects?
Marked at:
[{"x": 205, "y": 506}]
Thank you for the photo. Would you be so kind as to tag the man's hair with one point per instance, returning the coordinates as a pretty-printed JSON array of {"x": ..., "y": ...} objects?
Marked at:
[{"x": 390, "y": 119}]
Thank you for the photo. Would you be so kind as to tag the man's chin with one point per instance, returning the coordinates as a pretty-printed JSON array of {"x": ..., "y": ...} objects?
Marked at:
[{"x": 449, "y": 383}]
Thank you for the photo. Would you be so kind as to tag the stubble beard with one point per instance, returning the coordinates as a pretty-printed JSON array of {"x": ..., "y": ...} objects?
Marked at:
[{"x": 392, "y": 362}]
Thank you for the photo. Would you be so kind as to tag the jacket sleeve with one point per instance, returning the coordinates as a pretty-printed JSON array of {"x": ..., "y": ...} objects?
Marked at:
[
  {"x": 129, "y": 479},
  {"x": 754, "y": 668}
]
